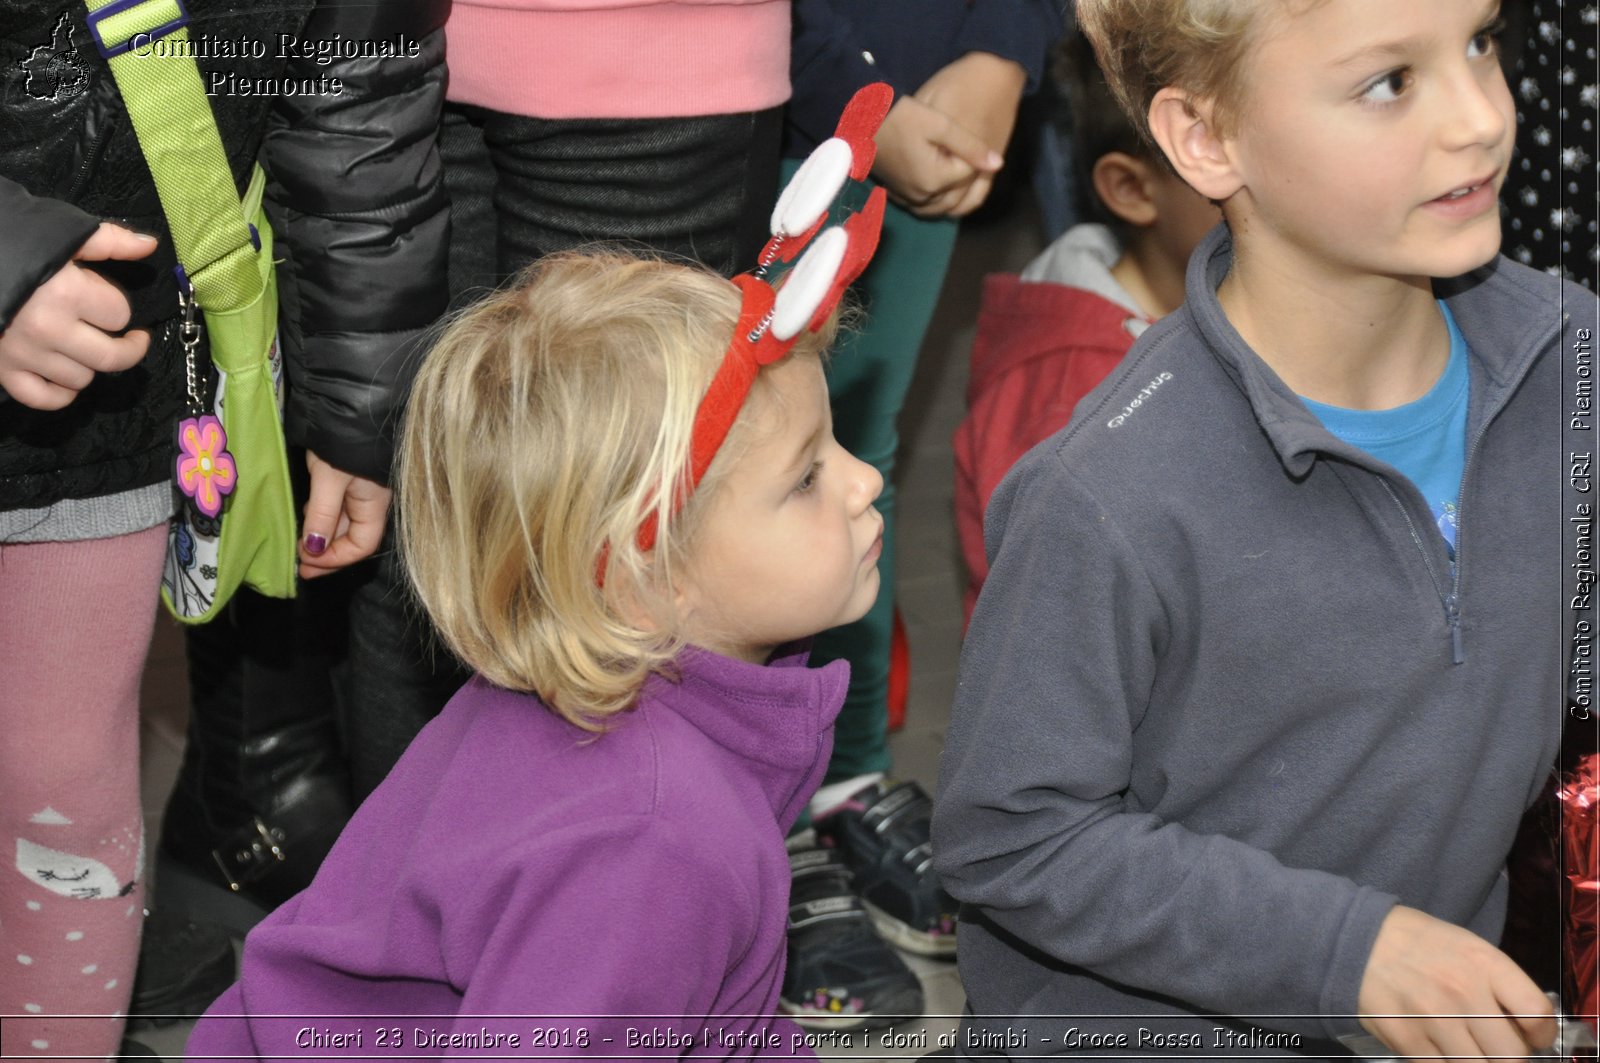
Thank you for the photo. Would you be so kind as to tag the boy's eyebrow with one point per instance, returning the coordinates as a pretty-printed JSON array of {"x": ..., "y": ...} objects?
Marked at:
[
  {"x": 1407, "y": 45},
  {"x": 1384, "y": 50}
]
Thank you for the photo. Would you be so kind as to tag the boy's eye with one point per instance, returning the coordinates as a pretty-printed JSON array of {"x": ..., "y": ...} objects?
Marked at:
[
  {"x": 1487, "y": 40},
  {"x": 809, "y": 480},
  {"x": 1388, "y": 88}
]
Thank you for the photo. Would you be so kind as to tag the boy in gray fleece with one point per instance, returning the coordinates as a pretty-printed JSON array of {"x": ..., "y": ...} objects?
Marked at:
[{"x": 1269, "y": 659}]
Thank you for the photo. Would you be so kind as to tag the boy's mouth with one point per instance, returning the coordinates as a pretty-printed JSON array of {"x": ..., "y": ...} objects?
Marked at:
[{"x": 1468, "y": 198}]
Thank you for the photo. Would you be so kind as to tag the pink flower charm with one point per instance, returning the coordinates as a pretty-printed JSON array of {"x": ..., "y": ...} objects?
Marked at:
[{"x": 205, "y": 468}]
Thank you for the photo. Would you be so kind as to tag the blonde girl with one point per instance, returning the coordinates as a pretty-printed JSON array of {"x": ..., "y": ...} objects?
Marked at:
[{"x": 622, "y": 503}]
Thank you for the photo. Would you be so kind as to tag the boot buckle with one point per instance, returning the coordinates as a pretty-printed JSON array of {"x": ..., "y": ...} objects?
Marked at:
[{"x": 250, "y": 854}]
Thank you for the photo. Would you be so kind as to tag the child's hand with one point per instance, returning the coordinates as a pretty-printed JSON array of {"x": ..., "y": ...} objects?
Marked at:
[
  {"x": 980, "y": 93},
  {"x": 926, "y": 161},
  {"x": 1426, "y": 967},
  {"x": 60, "y": 338},
  {"x": 344, "y": 519}
]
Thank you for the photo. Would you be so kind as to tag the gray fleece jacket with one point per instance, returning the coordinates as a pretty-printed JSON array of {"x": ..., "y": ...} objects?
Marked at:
[{"x": 1225, "y": 701}]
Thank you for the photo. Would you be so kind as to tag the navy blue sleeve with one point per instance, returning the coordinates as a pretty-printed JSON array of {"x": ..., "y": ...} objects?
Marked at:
[
  {"x": 840, "y": 45},
  {"x": 829, "y": 60},
  {"x": 1019, "y": 30}
]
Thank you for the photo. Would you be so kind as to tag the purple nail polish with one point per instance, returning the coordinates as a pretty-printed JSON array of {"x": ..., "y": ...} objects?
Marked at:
[{"x": 315, "y": 544}]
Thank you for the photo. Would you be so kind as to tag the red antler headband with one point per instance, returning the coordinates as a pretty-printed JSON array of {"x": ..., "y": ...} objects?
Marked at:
[{"x": 771, "y": 320}]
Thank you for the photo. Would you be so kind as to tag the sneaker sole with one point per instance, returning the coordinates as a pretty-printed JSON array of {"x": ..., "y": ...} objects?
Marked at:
[
  {"x": 902, "y": 936},
  {"x": 814, "y": 1019}
]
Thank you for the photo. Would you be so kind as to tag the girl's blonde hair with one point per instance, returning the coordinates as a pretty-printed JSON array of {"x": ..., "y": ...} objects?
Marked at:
[
  {"x": 1198, "y": 46},
  {"x": 544, "y": 425}
]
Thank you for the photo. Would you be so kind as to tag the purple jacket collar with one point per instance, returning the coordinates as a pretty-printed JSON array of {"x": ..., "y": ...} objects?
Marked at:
[{"x": 776, "y": 718}]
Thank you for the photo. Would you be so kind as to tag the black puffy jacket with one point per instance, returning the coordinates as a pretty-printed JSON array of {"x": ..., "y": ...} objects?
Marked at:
[{"x": 355, "y": 196}]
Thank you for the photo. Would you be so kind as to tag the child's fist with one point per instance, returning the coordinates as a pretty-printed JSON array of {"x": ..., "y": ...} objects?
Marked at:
[
  {"x": 61, "y": 337},
  {"x": 1434, "y": 989},
  {"x": 979, "y": 92},
  {"x": 927, "y": 161}
]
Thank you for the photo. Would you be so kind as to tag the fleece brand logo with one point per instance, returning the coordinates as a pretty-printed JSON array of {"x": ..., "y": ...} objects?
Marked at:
[
  {"x": 54, "y": 70},
  {"x": 1145, "y": 393}
]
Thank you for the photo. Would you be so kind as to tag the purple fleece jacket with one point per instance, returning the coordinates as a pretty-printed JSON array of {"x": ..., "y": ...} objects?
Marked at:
[{"x": 517, "y": 876}]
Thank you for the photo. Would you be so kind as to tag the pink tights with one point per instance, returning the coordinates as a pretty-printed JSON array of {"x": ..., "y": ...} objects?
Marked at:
[{"x": 75, "y": 624}]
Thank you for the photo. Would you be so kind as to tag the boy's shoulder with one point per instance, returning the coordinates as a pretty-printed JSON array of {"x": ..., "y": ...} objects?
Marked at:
[
  {"x": 1191, "y": 375},
  {"x": 1192, "y": 413},
  {"x": 1151, "y": 422},
  {"x": 1151, "y": 415}
]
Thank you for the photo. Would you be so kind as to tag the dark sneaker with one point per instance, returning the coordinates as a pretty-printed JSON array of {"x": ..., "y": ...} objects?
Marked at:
[
  {"x": 840, "y": 975},
  {"x": 131, "y": 1049},
  {"x": 183, "y": 967},
  {"x": 881, "y": 833}
]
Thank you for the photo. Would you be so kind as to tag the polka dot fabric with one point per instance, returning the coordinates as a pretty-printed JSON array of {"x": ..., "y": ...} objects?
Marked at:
[
  {"x": 71, "y": 831},
  {"x": 1549, "y": 197}
]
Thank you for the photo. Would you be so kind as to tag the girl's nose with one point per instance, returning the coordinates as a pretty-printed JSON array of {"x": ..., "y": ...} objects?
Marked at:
[{"x": 868, "y": 482}]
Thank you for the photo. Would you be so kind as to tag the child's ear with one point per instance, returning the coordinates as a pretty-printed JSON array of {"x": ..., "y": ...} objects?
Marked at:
[
  {"x": 1183, "y": 127},
  {"x": 1124, "y": 185},
  {"x": 639, "y": 606}
]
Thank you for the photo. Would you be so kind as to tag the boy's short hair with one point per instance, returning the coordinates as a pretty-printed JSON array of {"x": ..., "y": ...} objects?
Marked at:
[
  {"x": 1198, "y": 46},
  {"x": 1099, "y": 125},
  {"x": 543, "y": 426}
]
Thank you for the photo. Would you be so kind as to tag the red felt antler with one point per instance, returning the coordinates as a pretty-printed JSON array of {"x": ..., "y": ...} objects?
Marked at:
[{"x": 754, "y": 343}]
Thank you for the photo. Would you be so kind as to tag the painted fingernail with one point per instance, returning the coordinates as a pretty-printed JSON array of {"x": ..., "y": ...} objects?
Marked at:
[{"x": 315, "y": 544}]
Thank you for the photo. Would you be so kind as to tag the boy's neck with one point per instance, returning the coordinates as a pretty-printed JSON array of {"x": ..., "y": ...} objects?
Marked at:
[
  {"x": 1360, "y": 342},
  {"x": 1154, "y": 281}
]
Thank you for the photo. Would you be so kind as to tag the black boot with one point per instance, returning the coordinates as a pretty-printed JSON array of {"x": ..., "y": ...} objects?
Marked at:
[
  {"x": 183, "y": 967},
  {"x": 263, "y": 791}
]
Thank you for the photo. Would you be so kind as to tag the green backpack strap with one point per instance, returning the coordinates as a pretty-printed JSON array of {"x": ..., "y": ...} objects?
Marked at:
[{"x": 177, "y": 132}]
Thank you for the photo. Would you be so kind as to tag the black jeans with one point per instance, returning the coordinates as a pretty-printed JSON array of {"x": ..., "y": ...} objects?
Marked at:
[{"x": 520, "y": 188}]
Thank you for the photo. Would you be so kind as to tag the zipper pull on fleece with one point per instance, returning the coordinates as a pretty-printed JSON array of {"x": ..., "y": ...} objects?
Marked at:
[{"x": 1452, "y": 616}]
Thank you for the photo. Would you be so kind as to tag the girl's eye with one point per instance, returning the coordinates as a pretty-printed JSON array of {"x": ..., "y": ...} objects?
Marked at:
[
  {"x": 1388, "y": 88},
  {"x": 808, "y": 481}
]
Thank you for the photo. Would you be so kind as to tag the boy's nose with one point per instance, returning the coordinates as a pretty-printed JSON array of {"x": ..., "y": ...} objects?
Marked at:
[{"x": 1481, "y": 110}]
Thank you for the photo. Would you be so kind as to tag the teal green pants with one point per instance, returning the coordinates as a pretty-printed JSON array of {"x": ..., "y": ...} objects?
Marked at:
[{"x": 868, "y": 375}]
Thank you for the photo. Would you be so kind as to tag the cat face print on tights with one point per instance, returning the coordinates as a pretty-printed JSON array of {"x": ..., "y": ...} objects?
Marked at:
[{"x": 70, "y": 875}]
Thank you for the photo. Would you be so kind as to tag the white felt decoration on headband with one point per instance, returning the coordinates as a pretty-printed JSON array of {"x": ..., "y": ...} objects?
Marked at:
[
  {"x": 807, "y": 283},
  {"x": 813, "y": 188}
]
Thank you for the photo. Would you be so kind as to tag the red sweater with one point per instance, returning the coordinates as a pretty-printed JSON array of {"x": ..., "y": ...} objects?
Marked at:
[{"x": 1040, "y": 348}]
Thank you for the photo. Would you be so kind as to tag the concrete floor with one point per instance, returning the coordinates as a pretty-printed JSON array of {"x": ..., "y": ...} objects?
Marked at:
[{"x": 928, "y": 584}]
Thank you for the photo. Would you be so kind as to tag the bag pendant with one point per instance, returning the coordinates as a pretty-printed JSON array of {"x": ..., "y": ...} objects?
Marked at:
[{"x": 205, "y": 470}]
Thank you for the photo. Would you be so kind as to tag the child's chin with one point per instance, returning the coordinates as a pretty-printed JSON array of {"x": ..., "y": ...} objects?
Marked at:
[
  {"x": 1493, "y": 238},
  {"x": 869, "y": 595},
  {"x": 1481, "y": 253}
]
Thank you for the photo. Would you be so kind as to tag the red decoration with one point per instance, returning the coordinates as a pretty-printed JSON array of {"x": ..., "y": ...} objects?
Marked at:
[
  {"x": 753, "y": 344},
  {"x": 1580, "y": 837}
]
